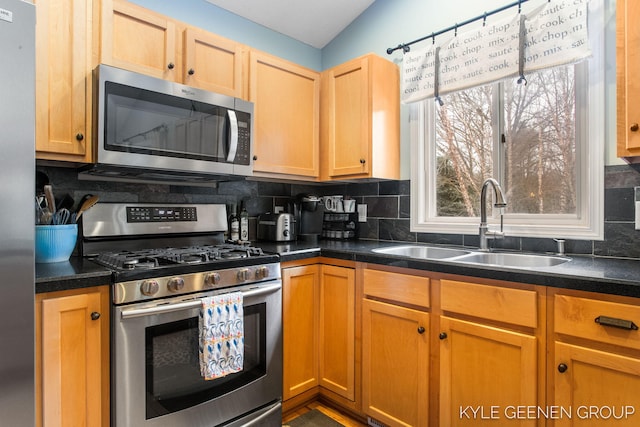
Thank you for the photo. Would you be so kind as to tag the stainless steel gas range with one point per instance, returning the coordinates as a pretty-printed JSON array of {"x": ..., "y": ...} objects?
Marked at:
[{"x": 167, "y": 262}]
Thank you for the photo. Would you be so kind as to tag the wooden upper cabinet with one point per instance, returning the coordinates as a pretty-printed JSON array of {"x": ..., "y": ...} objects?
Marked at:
[
  {"x": 360, "y": 132},
  {"x": 63, "y": 79},
  {"x": 214, "y": 63},
  {"x": 140, "y": 40},
  {"x": 137, "y": 39},
  {"x": 628, "y": 67},
  {"x": 287, "y": 117}
]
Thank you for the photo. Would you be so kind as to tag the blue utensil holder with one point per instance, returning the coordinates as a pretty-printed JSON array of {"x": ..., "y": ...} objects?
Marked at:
[{"x": 55, "y": 243}]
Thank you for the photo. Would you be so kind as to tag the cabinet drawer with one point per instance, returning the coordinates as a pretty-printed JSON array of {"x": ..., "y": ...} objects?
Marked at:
[
  {"x": 591, "y": 319},
  {"x": 398, "y": 287},
  {"x": 515, "y": 306}
]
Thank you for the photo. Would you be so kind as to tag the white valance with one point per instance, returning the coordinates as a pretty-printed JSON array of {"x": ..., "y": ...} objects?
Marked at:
[{"x": 553, "y": 34}]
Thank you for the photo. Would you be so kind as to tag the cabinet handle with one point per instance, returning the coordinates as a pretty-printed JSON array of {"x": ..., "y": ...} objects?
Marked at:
[
  {"x": 79, "y": 136},
  {"x": 191, "y": 71},
  {"x": 616, "y": 323},
  {"x": 95, "y": 315},
  {"x": 421, "y": 330},
  {"x": 634, "y": 127},
  {"x": 562, "y": 368},
  {"x": 443, "y": 335},
  {"x": 171, "y": 65}
]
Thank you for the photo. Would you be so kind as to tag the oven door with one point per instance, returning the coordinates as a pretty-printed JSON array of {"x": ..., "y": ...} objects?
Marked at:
[{"x": 156, "y": 373}]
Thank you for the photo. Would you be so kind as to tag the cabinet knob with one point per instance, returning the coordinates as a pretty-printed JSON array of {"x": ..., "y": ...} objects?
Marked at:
[
  {"x": 191, "y": 71},
  {"x": 171, "y": 65},
  {"x": 95, "y": 315},
  {"x": 443, "y": 335},
  {"x": 255, "y": 158},
  {"x": 363, "y": 161},
  {"x": 562, "y": 368},
  {"x": 421, "y": 330},
  {"x": 79, "y": 136},
  {"x": 634, "y": 127}
]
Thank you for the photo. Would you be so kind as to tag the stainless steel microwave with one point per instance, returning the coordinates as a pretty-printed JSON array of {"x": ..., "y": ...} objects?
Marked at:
[{"x": 152, "y": 128}]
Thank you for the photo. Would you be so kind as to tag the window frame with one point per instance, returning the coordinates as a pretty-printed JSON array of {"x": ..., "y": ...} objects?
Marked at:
[{"x": 588, "y": 223}]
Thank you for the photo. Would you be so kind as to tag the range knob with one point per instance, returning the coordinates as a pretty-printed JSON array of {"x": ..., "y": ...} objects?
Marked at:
[
  {"x": 149, "y": 287},
  {"x": 211, "y": 279},
  {"x": 243, "y": 275},
  {"x": 262, "y": 272},
  {"x": 175, "y": 284}
]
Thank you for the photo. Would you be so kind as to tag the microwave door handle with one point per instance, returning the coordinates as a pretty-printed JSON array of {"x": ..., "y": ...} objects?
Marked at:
[{"x": 233, "y": 136}]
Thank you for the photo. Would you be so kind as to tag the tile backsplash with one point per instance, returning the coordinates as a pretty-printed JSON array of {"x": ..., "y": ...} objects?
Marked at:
[{"x": 387, "y": 207}]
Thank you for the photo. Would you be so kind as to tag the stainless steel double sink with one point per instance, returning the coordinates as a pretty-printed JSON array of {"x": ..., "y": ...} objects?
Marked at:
[{"x": 502, "y": 259}]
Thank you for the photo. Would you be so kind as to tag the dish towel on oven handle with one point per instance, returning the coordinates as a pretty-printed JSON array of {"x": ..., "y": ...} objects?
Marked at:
[{"x": 221, "y": 335}]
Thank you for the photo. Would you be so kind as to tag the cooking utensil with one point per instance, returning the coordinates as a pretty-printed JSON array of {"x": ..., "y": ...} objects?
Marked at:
[
  {"x": 85, "y": 204},
  {"x": 51, "y": 201},
  {"x": 61, "y": 217}
]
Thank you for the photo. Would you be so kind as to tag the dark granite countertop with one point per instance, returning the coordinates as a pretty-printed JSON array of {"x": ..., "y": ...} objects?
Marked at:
[
  {"x": 73, "y": 274},
  {"x": 596, "y": 274}
]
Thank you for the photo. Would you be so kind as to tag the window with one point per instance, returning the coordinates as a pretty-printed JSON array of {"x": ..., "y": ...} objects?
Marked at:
[{"x": 543, "y": 141}]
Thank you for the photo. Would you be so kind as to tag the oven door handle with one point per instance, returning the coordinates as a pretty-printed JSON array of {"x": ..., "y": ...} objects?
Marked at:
[{"x": 168, "y": 308}]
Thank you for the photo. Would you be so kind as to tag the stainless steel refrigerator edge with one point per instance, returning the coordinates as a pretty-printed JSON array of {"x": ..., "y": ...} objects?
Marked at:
[{"x": 17, "y": 169}]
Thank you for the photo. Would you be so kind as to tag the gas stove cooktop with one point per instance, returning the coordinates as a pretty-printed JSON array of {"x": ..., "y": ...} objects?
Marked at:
[{"x": 148, "y": 259}]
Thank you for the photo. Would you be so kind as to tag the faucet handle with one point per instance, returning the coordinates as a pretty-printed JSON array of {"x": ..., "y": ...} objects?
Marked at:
[{"x": 560, "y": 243}]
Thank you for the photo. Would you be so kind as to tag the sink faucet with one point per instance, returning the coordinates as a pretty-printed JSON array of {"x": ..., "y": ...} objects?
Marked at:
[{"x": 498, "y": 202}]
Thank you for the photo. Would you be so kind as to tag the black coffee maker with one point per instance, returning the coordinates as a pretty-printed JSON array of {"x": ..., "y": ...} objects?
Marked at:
[{"x": 309, "y": 212}]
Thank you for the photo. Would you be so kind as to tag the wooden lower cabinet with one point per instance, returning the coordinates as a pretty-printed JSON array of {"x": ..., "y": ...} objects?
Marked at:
[
  {"x": 416, "y": 348},
  {"x": 300, "y": 325},
  {"x": 72, "y": 358},
  {"x": 595, "y": 387},
  {"x": 395, "y": 347},
  {"x": 485, "y": 371},
  {"x": 395, "y": 364},
  {"x": 491, "y": 353},
  {"x": 337, "y": 330},
  {"x": 595, "y": 366},
  {"x": 319, "y": 334}
]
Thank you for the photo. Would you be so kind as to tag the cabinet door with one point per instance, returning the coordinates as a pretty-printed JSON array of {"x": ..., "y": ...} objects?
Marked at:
[
  {"x": 213, "y": 63},
  {"x": 73, "y": 350},
  {"x": 300, "y": 293},
  {"x": 63, "y": 79},
  {"x": 346, "y": 107},
  {"x": 337, "y": 330},
  {"x": 628, "y": 61},
  {"x": 287, "y": 116},
  {"x": 139, "y": 40},
  {"x": 484, "y": 371},
  {"x": 598, "y": 388},
  {"x": 395, "y": 364}
]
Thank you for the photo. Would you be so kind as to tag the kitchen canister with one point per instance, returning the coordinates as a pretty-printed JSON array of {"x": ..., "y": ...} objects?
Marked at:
[{"x": 55, "y": 243}]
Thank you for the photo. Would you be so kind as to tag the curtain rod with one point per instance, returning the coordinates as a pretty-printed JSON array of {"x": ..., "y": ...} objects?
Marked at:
[{"x": 405, "y": 47}]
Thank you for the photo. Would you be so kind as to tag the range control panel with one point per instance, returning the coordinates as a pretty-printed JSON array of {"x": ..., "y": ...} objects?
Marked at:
[{"x": 161, "y": 214}]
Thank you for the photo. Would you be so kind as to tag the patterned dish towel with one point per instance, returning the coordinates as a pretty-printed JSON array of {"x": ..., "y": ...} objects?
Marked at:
[{"x": 221, "y": 335}]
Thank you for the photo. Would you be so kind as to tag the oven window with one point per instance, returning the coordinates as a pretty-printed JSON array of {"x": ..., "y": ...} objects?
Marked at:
[
  {"x": 141, "y": 121},
  {"x": 173, "y": 380}
]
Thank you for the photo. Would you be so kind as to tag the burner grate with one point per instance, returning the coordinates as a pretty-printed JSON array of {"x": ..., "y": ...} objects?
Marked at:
[{"x": 154, "y": 258}]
